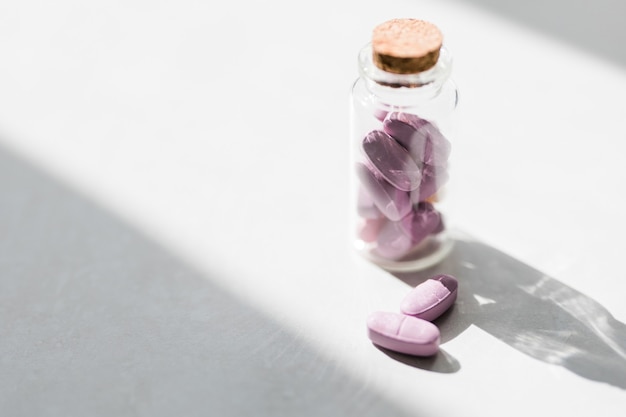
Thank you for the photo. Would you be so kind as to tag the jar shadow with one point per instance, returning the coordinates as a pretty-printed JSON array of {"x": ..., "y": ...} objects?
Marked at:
[{"x": 528, "y": 310}]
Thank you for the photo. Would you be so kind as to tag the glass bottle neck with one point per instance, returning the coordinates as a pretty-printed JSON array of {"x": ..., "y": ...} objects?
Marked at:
[{"x": 400, "y": 88}]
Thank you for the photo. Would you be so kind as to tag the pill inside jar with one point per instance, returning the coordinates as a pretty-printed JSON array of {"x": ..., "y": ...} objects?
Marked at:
[{"x": 402, "y": 129}]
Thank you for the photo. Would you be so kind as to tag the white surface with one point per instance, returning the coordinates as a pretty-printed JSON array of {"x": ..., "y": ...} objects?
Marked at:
[{"x": 173, "y": 171}]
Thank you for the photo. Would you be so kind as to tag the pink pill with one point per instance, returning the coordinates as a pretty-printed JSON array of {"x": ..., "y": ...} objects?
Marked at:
[
  {"x": 380, "y": 114},
  {"x": 392, "y": 242},
  {"x": 404, "y": 334},
  {"x": 407, "y": 129},
  {"x": 393, "y": 203},
  {"x": 440, "y": 227},
  {"x": 369, "y": 228},
  {"x": 421, "y": 222},
  {"x": 366, "y": 207},
  {"x": 431, "y": 298},
  {"x": 421, "y": 138},
  {"x": 437, "y": 148},
  {"x": 392, "y": 161},
  {"x": 397, "y": 239},
  {"x": 433, "y": 178}
]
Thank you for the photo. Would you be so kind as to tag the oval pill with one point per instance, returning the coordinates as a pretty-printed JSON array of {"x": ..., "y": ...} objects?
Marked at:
[
  {"x": 392, "y": 242},
  {"x": 422, "y": 221},
  {"x": 405, "y": 128},
  {"x": 404, "y": 334},
  {"x": 393, "y": 203},
  {"x": 431, "y": 298},
  {"x": 421, "y": 138},
  {"x": 437, "y": 148},
  {"x": 392, "y": 161},
  {"x": 369, "y": 229},
  {"x": 366, "y": 207},
  {"x": 398, "y": 238},
  {"x": 433, "y": 178}
]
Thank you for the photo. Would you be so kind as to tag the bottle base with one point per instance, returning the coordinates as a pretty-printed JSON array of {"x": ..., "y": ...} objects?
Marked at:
[{"x": 425, "y": 255}]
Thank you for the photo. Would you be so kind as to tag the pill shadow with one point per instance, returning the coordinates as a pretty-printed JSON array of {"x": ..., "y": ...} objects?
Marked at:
[
  {"x": 98, "y": 319},
  {"x": 442, "y": 362},
  {"x": 532, "y": 312}
]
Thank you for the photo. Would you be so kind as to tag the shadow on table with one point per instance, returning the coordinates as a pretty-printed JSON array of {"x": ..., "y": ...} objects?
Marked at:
[
  {"x": 531, "y": 312},
  {"x": 442, "y": 362},
  {"x": 97, "y": 319},
  {"x": 596, "y": 26}
]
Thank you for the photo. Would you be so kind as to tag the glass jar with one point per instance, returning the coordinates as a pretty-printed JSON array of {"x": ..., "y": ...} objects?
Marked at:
[{"x": 401, "y": 125}]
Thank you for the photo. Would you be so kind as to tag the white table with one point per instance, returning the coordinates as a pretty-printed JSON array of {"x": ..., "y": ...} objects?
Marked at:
[{"x": 173, "y": 217}]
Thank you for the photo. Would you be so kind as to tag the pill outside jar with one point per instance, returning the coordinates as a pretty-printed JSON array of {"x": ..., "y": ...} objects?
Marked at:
[{"x": 402, "y": 121}]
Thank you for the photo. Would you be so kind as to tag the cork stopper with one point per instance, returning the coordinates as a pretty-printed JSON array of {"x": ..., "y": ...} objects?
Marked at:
[{"x": 406, "y": 46}]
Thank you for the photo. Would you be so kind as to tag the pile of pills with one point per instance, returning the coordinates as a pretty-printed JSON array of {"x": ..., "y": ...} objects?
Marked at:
[
  {"x": 411, "y": 330},
  {"x": 405, "y": 165}
]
